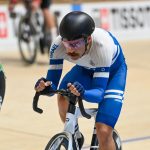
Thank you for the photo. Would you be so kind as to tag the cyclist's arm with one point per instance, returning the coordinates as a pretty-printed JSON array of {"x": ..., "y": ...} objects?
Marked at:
[
  {"x": 55, "y": 63},
  {"x": 101, "y": 74},
  {"x": 54, "y": 72},
  {"x": 99, "y": 83}
]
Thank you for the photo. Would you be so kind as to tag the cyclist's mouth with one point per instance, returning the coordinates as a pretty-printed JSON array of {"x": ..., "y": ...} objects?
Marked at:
[{"x": 73, "y": 54}]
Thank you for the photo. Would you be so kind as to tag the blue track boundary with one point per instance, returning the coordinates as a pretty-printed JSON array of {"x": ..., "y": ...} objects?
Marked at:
[{"x": 136, "y": 139}]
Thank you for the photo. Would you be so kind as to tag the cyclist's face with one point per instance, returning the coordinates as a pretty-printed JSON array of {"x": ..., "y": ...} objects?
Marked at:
[{"x": 75, "y": 49}]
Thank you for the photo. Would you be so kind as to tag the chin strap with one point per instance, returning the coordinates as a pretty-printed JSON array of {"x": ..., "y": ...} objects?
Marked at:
[{"x": 86, "y": 45}]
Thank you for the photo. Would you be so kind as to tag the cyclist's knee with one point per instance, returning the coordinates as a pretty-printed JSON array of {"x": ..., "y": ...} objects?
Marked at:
[
  {"x": 62, "y": 106},
  {"x": 104, "y": 133}
]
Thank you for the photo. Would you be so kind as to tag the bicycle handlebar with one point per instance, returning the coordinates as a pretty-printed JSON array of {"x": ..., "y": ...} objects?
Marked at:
[
  {"x": 71, "y": 98},
  {"x": 35, "y": 103}
]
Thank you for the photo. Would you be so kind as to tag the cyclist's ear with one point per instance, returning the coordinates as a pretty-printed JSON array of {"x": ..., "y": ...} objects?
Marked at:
[{"x": 89, "y": 39}]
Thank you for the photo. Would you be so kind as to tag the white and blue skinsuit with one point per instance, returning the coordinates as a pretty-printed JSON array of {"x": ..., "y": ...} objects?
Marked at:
[{"x": 102, "y": 71}]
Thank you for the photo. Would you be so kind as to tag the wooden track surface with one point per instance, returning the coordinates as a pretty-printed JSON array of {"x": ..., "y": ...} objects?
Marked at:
[{"x": 23, "y": 129}]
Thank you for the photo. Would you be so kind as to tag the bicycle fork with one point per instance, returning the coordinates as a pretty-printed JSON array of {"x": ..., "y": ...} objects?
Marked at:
[
  {"x": 70, "y": 124},
  {"x": 94, "y": 141}
]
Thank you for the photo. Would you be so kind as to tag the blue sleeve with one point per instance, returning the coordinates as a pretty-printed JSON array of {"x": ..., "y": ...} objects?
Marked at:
[
  {"x": 54, "y": 72},
  {"x": 99, "y": 83}
]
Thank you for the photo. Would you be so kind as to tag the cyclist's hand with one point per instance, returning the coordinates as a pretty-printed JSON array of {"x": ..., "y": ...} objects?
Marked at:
[
  {"x": 76, "y": 88},
  {"x": 43, "y": 86}
]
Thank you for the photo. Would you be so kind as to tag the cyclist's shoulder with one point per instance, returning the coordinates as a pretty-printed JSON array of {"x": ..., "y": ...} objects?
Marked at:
[
  {"x": 57, "y": 48},
  {"x": 101, "y": 35},
  {"x": 102, "y": 40},
  {"x": 57, "y": 44},
  {"x": 101, "y": 32}
]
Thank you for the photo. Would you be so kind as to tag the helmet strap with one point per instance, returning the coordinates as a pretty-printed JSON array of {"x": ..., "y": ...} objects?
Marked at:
[{"x": 86, "y": 44}]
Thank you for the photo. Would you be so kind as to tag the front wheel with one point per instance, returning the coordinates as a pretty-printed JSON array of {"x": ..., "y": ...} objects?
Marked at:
[
  {"x": 61, "y": 141},
  {"x": 117, "y": 140}
]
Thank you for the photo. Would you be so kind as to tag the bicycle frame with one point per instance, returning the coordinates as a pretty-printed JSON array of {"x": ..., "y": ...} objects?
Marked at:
[
  {"x": 71, "y": 121},
  {"x": 72, "y": 116}
]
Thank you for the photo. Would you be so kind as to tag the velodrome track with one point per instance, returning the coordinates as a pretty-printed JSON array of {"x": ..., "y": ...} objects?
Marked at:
[{"x": 23, "y": 129}]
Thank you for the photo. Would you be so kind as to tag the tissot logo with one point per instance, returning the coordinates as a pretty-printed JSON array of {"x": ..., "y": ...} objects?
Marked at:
[
  {"x": 126, "y": 18},
  {"x": 130, "y": 17}
]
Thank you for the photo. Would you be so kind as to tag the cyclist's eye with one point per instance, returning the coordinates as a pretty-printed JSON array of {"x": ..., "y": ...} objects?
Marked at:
[
  {"x": 73, "y": 45},
  {"x": 77, "y": 44}
]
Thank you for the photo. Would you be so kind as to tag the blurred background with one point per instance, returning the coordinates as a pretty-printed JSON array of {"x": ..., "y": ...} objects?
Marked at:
[{"x": 24, "y": 57}]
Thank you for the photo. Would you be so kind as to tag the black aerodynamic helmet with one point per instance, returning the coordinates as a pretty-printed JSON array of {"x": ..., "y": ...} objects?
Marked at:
[{"x": 75, "y": 25}]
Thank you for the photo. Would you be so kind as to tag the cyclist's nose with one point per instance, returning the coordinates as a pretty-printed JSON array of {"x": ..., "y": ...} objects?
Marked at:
[{"x": 71, "y": 50}]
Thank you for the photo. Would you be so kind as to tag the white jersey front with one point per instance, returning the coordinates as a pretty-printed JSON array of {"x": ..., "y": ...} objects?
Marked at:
[{"x": 101, "y": 53}]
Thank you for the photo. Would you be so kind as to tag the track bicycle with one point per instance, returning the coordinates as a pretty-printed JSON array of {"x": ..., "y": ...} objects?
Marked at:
[
  {"x": 67, "y": 140},
  {"x": 32, "y": 33}
]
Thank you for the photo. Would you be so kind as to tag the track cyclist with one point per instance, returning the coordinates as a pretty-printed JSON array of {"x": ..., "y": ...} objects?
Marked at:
[
  {"x": 47, "y": 13},
  {"x": 99, "y": 75}
]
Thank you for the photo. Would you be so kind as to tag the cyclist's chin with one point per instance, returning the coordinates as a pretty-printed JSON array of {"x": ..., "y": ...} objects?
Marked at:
[{"x": 74, "y": 57}]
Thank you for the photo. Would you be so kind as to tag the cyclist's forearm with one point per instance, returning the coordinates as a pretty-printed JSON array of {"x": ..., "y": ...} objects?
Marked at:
[
  {"x": 94, "y": 95},
  {"x": 55, "y": 71},
  {"x": 54, "y": 77}
]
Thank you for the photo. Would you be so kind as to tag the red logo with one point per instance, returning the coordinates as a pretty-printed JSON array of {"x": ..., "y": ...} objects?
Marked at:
[
  {"x": 3, "y": 25},
  {"x": 104, "y": 13}
]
